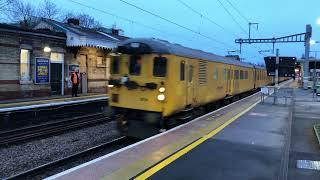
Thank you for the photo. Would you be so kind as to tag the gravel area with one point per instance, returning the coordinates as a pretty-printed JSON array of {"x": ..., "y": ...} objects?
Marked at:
[{"x": 24, "y": 156}]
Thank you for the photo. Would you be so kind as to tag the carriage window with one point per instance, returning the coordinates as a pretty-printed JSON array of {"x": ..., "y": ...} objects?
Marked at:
[
  {"x": 135, "y": 65},
  {"x": 241, "y": 74},
  {"x": 159, "y": 66},
  {"x": 115, "y": 65},
  {"x": 236, "y": 74},
  {"x": 224, "y": 74},
  {"x": 215, "y": 73},
  {"x": 229, "y": 74},
  {"x": 182, "y": 71},
  {"x": 190, "y": 73}
]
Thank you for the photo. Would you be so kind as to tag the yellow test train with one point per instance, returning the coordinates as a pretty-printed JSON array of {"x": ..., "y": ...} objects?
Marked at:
[{"x": 154, "y": 82}]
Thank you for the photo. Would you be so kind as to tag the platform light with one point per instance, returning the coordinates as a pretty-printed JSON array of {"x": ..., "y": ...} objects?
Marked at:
[
  {"x": 318, "y": 21},
  {"x": 47, "y": 49},
  {"x": 162, "y": 89},
  {"x": 312, "y": 42},
  {"x": 161, "y": 97}
]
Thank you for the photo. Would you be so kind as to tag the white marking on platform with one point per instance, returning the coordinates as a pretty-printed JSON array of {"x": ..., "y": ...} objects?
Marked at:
[{"x": 308, "y": 164}]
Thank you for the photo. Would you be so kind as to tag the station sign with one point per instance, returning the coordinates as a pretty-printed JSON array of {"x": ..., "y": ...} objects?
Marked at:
[
  {"x": 285, "y": 68},
  {"x": 42, "y": 70}
]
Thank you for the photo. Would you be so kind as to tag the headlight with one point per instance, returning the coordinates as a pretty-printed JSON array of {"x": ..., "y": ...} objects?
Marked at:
[
  {"x": 110, "y": 85},
  {"x": 162, "y": 89},
  {"x": 161, "y": 97}
]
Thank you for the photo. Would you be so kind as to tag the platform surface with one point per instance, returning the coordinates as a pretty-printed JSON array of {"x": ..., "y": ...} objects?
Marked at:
[
  {"x": 245, "y": 140},
  {"x": 47, "y": 101}
]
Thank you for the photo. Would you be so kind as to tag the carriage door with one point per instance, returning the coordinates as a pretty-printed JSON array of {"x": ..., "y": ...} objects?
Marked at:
[
  {"x": 254, "y": 78},
  {"x": 229, "y": 77},
  {"x": 190, "y": 80},
  {"x": 236, "y": 81}
]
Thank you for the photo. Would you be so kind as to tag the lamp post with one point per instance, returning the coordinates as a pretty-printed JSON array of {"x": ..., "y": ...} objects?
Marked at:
[{"x": 313, "y": 42}]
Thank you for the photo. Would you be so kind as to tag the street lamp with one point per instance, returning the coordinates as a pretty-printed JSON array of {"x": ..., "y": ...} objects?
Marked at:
[
  {"x": 313, "y": 42},
  {"x": 47, "y": 49}
]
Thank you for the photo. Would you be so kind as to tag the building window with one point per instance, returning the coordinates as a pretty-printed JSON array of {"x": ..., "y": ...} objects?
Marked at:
[
  {"x": 101, "y": 62},
  {"x": 159, "y": 66},
  {"x": 115, "y": 66},
  {"x": 56, "y": 57},
  {"x": 216, "y": 73},
  {"x": 135, "y": 65},
  {"x": 24, "y": 65},
  {"x": 182, "y": 69}
]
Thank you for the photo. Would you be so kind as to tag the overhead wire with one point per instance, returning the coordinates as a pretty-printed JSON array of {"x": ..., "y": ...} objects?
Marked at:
[
  {"x": 130, "y": 20},
  {"x": 174, "y": 23},
  {"x": 206, "y": 17},
  {"x": 232, "y": 17},
  {"x": 241, "y": 14}
]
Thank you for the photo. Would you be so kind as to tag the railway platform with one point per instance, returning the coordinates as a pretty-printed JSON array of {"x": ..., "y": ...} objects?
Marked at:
[
  {"x": 244, "y": 140},
  {"x": 15, "y": 114},
  {"x": 30, "y": 103}
]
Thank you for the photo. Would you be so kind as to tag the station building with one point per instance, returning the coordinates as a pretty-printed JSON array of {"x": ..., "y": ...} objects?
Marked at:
[
  {"x": 18, "y": 49},
  {"x": 87, "y": 51},
  {"x": 67, "y": 46}
]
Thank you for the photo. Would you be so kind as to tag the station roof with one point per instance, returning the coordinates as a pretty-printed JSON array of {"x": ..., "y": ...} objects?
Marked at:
[
  {"x": 83, "y": 36},
  {"x": 158, "y": 46}
]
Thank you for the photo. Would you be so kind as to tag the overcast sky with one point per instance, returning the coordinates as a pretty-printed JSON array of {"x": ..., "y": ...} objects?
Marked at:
[{"x": 275, "y": 17}]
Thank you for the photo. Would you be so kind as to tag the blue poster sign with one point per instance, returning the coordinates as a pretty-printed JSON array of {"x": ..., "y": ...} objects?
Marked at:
[{"x": 42, "y": 70}]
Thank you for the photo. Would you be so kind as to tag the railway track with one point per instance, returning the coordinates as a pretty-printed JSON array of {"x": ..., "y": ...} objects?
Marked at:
[
  {"x": 40, "y": 170},
  {"x": 18, "y": 135}
]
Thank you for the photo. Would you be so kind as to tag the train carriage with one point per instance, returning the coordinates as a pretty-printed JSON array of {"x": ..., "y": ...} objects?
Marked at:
[{"x": 153, "y": 80}]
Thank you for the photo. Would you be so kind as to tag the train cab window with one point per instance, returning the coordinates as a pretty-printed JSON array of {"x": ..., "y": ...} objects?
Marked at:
[
  {"x": 182, "y": 71},
  {"x": 135, "y": 65},
  {"x": 159, "y": 66},
  {"x": 215, "y": 73},
  {"x": 115, "y": 65}
]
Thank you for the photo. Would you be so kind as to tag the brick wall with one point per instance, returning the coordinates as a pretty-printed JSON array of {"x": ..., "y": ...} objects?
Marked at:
[
  {"x": 86, "y": 58},
  {"x": 12, "y": 40}
]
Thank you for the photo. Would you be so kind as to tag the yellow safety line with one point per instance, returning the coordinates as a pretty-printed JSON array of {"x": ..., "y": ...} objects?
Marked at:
[{"x": 188, "y": 148}]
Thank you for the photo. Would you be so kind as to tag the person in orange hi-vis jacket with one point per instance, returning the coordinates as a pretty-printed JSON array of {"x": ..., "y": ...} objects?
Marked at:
[{"x": 75, "y": 83}]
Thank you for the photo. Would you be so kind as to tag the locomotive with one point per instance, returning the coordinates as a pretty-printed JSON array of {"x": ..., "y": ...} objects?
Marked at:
[{"x": 155, "y": 83}]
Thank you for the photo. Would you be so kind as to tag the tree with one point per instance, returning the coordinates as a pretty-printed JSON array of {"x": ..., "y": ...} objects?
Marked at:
[
  {"x": 23, "y": 12},
  {"x": 49, "y": 10},
  {"x": 5, "y": 3},
  {"x": 85, "y": 20}
]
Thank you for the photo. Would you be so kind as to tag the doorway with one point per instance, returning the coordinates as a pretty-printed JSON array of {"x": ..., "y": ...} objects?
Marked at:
[
  {"x": 83, "y": 74},
  {"x": 57, "y": 73},
  {"x": 56, "y": 78}
]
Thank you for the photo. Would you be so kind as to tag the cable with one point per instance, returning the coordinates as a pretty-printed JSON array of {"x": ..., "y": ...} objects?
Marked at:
[
  {"x": 131, "y": 21},
  {"x": 232, "y": 17},
  {"x": 238, "y": 11},
  {"x": 206, "y": 17},
  {"x": 172, "y": 22}
]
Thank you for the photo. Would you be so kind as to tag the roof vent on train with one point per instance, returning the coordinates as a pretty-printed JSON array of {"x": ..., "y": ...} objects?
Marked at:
[{"x": 134, "y": 48}]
